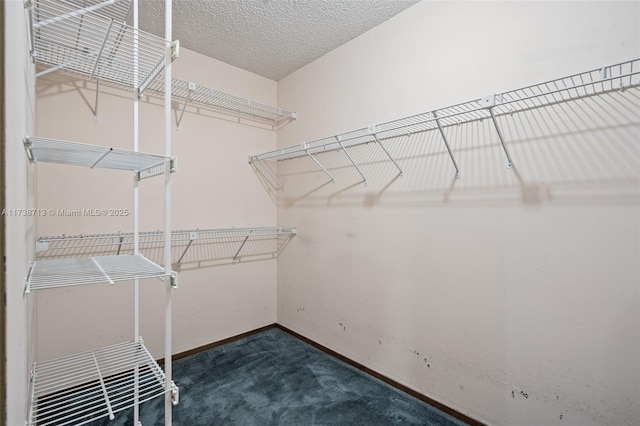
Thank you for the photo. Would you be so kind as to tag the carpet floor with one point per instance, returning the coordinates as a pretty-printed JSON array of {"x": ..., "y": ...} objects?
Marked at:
[{"x": 273, "y": 378}]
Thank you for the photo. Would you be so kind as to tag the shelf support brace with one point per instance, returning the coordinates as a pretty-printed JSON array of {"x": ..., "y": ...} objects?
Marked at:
[
  {"x": 104, "y": 154},
  {"x": 104, "y": 43},
  {"x": 32, "y": 392},
  {"x": 446, "y": 143},
  {"x": 388, "y": 155},
  {"x": 351, "y": 159},
  {"x": 191, "y": 89},
  {"x": 27, "y": 285},
  {"x": 315, "y": 160},
  {"x": 104, "y": 389},
  {"x": 489, "y": 102},
  {"x": 235, "y": 256},
  {"x": 504, "y": 147},
  {"x": 95, "y": 106},
  {"x": 119, "y": 245},
  {"x": 271, "y": 177},
  {"x": 192, "y": 236},
  {"x": 28, "y": 4},
  {"x": 102, "y": 270}
]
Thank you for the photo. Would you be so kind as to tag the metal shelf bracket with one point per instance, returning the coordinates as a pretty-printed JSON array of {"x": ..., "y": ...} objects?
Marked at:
[
  {"x": 175, "y": 50},
  {"x": 174, "y": 279},
  {"x": 388, "y": 155},
  {"x": 446, "y": 143},
  {"x": 175, "y": 394},
  {"x": 235, "y": 256},
  {"x": 192, "y": 237},
  {"x": 99, "y": 159},
  {"x": 489, "y": 103},
  {"x": 28, "y": 147},
  {"x": 191, "y": 87},
  {"x": 315, "y": 160},
  {"x": 266, "y": 171},
  {"x": 351, "y": 159}
]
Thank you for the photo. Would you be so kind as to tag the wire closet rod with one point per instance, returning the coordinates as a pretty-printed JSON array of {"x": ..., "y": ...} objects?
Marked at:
[{"x": 612, "y": 78}]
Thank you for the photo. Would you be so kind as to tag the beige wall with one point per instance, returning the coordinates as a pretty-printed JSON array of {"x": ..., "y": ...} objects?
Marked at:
[
  {"x": 213, "y": 188},
  {"x": 19, "y": 95},
  {"x": 503, "y": 283}
]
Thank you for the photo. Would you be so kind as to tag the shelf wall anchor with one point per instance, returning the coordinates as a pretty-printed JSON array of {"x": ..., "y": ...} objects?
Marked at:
[
  {"x": 351, "y": 159},
  {"x": 446, "y": 143}
]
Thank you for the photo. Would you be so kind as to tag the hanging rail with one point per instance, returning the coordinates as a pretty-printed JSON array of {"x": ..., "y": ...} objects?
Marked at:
[
  {"x": 96, "y": 42},
  {"x": 612, "y": 78}
]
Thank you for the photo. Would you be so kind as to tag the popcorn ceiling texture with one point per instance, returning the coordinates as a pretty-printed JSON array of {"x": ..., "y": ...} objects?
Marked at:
[{"x": 271, "y": 38}]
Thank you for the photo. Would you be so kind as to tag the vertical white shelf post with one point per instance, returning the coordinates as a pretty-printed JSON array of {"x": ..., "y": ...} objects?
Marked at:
[
  {"x": 136, "y": 214},
  {"x": 169, "y": 397}
]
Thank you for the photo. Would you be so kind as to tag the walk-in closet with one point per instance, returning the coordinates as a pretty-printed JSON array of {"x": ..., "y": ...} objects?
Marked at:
[{"x": 298, "y": 212}]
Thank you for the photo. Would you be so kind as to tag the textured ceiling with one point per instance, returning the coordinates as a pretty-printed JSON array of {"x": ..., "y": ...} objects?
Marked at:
[{"x": 271, "y": 38}]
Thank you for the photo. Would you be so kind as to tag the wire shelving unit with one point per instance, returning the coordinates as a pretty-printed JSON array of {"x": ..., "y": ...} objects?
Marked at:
[
  {"x": 94, "y": 40},
  {"x": 96, "y": 156},
  {"x": 188, "y": 245},
  {"x": 190, "y": 93},
  {"x": 77, "y": 389},
  {"x": 612, "y": 78},
  {"x": 92, "y": 270},
  {"x": 91, "y": 38}
]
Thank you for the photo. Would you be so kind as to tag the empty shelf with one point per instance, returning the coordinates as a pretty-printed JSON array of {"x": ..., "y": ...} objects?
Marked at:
[
  {"x": 80, "y": 388},
  {"x": 596, "y": 82},
  {"x": 80, "y": 154},
  {"x": 90, "y": 270},
  {"x": 199, "y": 96},
  {"x": 188, "y": 246},
  {"x": 92, "y": 40}
]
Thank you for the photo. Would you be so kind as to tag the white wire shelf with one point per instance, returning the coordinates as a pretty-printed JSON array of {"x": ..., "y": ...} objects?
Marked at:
[
  {"x": 52, "y": 273},
  {"x": 188, "y": 245},
  {"x": 80, "y": 388},
  {"x": 95, "y": 156},
  {"x": 618, "y": 77},
  {"x": 118, "y": 10},
  {"x": 192, "y": 94},
  {"x": 93, "y": 40}
]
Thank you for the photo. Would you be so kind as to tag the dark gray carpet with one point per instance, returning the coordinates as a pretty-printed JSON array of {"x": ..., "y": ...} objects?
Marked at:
[{"x": 273, "y": 378}]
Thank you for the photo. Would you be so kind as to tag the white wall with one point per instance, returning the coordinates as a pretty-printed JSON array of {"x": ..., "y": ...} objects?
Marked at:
[
  {"x": 212, "y": 188},
  {"x": 20, "y": 230},
  {"x": 503, "y": 283}
]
